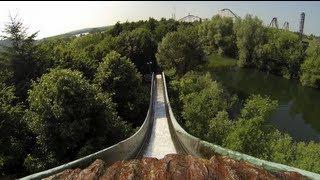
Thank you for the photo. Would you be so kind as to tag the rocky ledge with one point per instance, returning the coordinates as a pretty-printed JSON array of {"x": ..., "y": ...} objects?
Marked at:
[{"x": 174, "y": 166}]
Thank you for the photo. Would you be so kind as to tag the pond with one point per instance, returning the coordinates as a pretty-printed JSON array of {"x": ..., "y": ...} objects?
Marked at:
[{"x": 298, "y": 112}]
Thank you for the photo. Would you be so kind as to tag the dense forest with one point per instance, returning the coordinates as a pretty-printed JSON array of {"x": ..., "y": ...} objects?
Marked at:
[
  {"x": 207, "y": 110},
  {"x": 66, "y": 97}
]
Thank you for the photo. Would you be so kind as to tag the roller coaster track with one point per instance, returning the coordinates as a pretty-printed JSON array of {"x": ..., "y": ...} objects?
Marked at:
[
  {"x": 274, "y": 24},
  {"x": 161, "y": 134},
  {"x": 190, "y": 18},
  {"x": 228, "y": 13}
]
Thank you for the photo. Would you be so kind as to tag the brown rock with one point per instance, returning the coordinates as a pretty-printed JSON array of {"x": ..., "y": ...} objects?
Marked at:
[{"x": 174, "y": 166}]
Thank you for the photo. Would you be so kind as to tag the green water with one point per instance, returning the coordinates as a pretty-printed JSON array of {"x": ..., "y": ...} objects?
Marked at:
[{"x": 298, "y": 112}]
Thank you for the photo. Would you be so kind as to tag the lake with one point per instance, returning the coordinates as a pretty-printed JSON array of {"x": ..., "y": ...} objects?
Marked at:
[{"x": 298, "y": 112}]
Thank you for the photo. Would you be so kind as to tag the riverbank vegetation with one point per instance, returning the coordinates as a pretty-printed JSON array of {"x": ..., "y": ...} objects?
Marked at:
[
  {"x": 208, "y": 111},
  {"x": 277, "y": 51}
]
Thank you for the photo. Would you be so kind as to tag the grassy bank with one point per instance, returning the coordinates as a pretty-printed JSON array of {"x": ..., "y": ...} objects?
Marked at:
[{"x": 216, "y": 61}]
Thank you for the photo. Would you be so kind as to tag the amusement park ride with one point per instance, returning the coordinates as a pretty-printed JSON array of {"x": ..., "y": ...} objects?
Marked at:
[{"x": 228, "y": 13}]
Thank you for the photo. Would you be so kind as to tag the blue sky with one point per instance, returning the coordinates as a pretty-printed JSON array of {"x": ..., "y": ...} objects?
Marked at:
[{"x": 53, "y": 18}]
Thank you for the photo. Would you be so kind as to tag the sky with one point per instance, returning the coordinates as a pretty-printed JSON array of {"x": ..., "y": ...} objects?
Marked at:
[{"x": 53, "y": 18}]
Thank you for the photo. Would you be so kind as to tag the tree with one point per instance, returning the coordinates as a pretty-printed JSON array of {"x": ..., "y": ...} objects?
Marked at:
[
  {"x": 139, "y": 46},
  {"x": 307, "y": 156},
  {"x": 165, "y": 26},
  {"x": 117, "y": 29},
  {"x": 282, "y": 54},
  {"x": 70, "y": 117},
  {"x": 219, "y": 127},
  {"x": 180, "y": 51},
  {"x": 61, "y": 53},
  {"x": 257, "y": 105},
  {"x": 13, "y": 132},
  {"x": 250, "y": 35},
  {"x": 118, "y": 76},
  {"x": 311, "y": 67},
  {"x": 151, "y": 24},
  {"x": 282, "y": 148},
  {"x": 21, "y": 56},
  {"x": 203, "y": 99},
  {"x": 103, "y": 47},
  {"x": 217, "y": 36},
  {"x": 251, "y": 134}
]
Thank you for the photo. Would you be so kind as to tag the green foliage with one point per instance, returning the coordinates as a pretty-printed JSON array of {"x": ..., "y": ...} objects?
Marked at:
[
  {"x": 311, "y": 67},
  {"x": 202, "y": 100},
  {"x": 217, "y": 36},
  {"x": 219, "y": 127},
  {"x": 12, "y": 128},
  {"x": 165, "y": 26},
  {"x": 103, "y": 47},
  {"x": 118, "y": 76},
  {"x": 257, "y": 106},
  {"x": 278, "y": 51},
  {"x": 180, "y": 51},
  {"x": 139, "y": 46},
  {"x": 216, "y": 61},
  {"x": 151, "y": 24},
  {"x": 117, "y": 29},
  {"x": 250, "y": 35},
  {"x": 282, "y": 148},
  {"x": 307, "y": 156},
  {"x": 282, "y": 54},
  {"x": 67, "y": 114},
  {"x": 65, "y": 54},
  {"x": 19, "y": 57},
  {"x": 251, "y": 134},
  {"x": 205, "y": 114}
]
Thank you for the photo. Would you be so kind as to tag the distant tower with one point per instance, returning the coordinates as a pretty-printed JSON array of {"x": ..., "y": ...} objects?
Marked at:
[
  {"x": 302, "y": 16},
  {"x": 174, "y": 13}
]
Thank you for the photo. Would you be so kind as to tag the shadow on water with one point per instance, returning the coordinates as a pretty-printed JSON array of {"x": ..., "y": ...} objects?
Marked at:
[{"x": 298, "y": 112}]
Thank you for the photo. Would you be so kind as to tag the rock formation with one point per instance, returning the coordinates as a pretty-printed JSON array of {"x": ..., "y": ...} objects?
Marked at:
[{"x": 174, "y": 166}]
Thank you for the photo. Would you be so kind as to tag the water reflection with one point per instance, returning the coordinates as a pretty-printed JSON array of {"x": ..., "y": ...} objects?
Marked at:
[{"x": 299, "y": 107}]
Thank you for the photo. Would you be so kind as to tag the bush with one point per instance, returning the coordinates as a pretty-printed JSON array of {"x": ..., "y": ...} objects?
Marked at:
[
  {"x": 219, "y": 128},
  {"x": 307, "y": 156},
  {"x": 282, "y": 148}
]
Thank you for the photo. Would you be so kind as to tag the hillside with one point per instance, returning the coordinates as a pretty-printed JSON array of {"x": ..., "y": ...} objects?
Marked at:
[{"x": 81, "y": 31}]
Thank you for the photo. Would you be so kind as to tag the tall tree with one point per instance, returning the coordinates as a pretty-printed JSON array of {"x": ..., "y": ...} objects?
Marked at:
[
  {"x": 118, "y": 76},
  {"x": 20, "y": 55},
  {"x": 180, "y": 51}
]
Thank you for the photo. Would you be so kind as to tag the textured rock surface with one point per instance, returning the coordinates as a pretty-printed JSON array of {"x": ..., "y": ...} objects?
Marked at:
[{"x": 174, "y": 166}]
